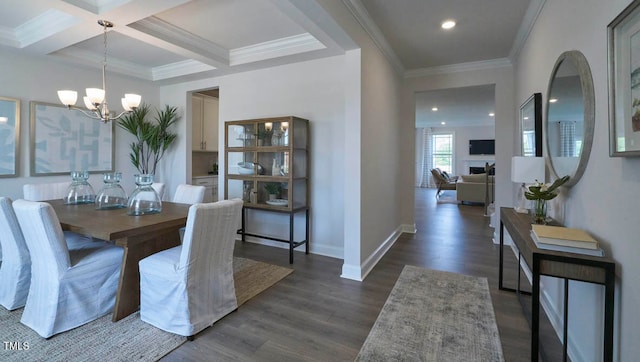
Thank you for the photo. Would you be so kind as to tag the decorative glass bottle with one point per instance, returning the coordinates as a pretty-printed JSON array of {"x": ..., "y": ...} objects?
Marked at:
[
  {"x": 144, "y": 199},
  {"x": 112, "y": 195},
  {"x": 80, "y": 191}
]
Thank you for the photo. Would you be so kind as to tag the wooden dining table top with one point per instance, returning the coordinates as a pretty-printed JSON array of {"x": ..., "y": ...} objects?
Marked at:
[{"x": 115, "y": 224}]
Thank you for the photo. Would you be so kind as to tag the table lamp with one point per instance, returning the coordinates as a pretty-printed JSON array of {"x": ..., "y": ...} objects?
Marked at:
[{"x": 526, "y": 170}]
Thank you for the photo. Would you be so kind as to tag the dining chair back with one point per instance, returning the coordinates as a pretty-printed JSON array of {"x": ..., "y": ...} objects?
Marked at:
[
  {"x": 15, "y": 270},
  {"x": 70, "y": 285},
  {"x": 47, "y": 191},
  {"x": 189, "y": 194},
  {"x": 159, "y": 187},
  {"x": 186, "y": 289}
]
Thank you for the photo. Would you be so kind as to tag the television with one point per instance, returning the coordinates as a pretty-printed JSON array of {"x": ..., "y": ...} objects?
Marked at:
[{"x": 482, "y": 147}]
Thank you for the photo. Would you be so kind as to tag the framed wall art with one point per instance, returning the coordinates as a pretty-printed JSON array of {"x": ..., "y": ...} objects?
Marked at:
[
  {"x": 624, "y": 82},
  {"x": 9, "y": 136},
  {"x": 531, "y": 126},
  {"x": 63, "y": 141}
]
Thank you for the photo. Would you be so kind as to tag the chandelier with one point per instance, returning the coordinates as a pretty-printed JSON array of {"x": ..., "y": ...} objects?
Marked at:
[{"x": 95, "y": 100}]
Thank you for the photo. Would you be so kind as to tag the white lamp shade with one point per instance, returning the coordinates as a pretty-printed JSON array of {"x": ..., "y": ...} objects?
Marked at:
[
  {"x": 95, "y": 95},
  {"x": 284, "y": 126},
  {"x": 125, "y": 105},
  {"x": 68, "y": 97},
  {"x": 133, "y": 100},
  {"x": 268, "y": 126},
  {"x": 88, "y": 104},
  {"x": 527, "y": 169}
]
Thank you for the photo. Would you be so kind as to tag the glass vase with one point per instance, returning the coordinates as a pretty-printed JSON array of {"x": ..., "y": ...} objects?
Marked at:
[
  {"x": 80, "y": 191},
  {"x": 112, "y": 195},
  {"x": 539, "y": 211},
  {"x": 144, "y": 200}
]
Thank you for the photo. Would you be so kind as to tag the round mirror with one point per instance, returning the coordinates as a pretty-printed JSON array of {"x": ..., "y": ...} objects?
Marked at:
[{"x": 570, "y": 116}]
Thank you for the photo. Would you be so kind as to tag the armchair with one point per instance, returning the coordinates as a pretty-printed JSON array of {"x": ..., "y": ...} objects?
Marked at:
[{"x": 443, "y": 181}]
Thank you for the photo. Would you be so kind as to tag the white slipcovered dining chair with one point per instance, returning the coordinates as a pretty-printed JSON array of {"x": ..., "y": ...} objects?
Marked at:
[
  {"x": 43, "y": 192},
  {"x": 185, "y": 289},
  {"x": 159, "y": 187},
  {"x": 69, "y": 287},
  {"x": 189, "y": 194},
  {"x": 15, "y": 270}
]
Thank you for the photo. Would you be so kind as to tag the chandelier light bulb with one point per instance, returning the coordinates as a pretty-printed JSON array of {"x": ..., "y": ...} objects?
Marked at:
[
  {"x": 88, "y": 104},
  {"x": 133, "y": 100},
  {"x": 68, "y": 97},
  {"x": 125, "y": 105}
]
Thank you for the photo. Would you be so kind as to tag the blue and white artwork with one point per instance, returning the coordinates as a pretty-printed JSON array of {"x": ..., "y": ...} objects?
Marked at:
[
  {"x": 67, "y": 140},
  {"x": 9, "y": 126}
]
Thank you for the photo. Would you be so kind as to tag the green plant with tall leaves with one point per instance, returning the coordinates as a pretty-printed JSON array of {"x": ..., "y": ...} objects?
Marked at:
[{"x": 153, "y": 138}]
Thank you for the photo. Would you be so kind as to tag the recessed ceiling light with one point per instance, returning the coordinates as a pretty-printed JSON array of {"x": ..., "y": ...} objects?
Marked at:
[
  {"x": 491, "y": 114},
  {"x": 4, "y": 119},
  {"x": 434, "y": 109},
  {"x": 526, "y": 118},
  {"x": 443, "y": 123},
  {"x": 448, "y": 24},
  {"x": 553, "y": 100}
]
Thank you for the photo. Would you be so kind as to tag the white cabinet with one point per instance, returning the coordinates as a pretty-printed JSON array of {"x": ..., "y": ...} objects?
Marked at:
[
  {"x": 211, "y": 184},
  {"x": 204, "y": 111}
]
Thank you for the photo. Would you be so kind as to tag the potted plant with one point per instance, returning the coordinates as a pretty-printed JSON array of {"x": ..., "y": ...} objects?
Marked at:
[
  {"x": 153, "y": 139},
  {"x": 264, "y": 137},
  {"x": 273, "y": 189}
]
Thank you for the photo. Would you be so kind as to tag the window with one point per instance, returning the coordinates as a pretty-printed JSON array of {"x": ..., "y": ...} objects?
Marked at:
[{"x": 442, "y": 156}]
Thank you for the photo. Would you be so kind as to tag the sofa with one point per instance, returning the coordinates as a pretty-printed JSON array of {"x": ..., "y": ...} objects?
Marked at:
[{"x": 472, "y": 188}]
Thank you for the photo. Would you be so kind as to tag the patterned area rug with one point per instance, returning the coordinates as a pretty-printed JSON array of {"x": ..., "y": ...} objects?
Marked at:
[
  {"x": 435, "y": 316},
  {"x": 129, "y": 339}
]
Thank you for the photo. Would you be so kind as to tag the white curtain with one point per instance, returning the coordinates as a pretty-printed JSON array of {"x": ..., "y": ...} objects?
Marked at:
[
  {"x": 567, "y": 138},
  {"x": 424, "y": 149}
]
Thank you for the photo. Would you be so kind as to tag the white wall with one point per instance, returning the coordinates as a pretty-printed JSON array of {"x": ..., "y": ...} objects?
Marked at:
[
  {"x": 605, "y": 201},
  {"x": 313, "y": 90},
  {"x": 373, "y": 207},
  {"x": 36, "y": 79},
  {"x": 505, "y": 115}
]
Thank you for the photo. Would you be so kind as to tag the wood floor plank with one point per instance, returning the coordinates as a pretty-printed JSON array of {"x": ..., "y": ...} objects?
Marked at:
[{"x": 314, "y": 315}]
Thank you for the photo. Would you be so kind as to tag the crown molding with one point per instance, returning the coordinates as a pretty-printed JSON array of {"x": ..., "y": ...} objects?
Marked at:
[
  {"x": 528, "y": 21},
  {"x": 95, "y": 60},
  {"x": 174, "y": 35},
  {"x": 361, "y": 14},
  {"x": 178, "y": 69},
  {"x": 461, "y": 67},
  {"x": 275, "y": 48},
  {"x": 43, "y": 26}
]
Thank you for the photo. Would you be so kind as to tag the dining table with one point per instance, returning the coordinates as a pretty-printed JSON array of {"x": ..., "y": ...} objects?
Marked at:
[{"x": 139, "y": 236}]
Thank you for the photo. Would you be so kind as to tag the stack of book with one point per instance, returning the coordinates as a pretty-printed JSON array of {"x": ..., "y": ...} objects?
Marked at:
[{"x": 560, "y": 238}]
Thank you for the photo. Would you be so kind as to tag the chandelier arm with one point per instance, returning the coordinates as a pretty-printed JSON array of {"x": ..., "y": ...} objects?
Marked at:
[
  {"x": 94, "y": 115},
  {"x": 120, "y": 115}
]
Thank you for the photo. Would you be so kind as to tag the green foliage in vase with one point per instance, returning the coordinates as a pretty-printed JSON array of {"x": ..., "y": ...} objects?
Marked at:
[
  {"x": 542, "y": 191},
  {"x": 273, "y": 188},
  {"x": 153, "y": 138}
]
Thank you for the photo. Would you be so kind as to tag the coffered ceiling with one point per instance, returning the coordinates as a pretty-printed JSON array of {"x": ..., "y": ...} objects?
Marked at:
[{"x": 168, "y": 41}]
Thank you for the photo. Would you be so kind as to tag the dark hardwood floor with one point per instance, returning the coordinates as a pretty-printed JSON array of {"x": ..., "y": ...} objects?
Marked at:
[{"x": 314, "y": 315}]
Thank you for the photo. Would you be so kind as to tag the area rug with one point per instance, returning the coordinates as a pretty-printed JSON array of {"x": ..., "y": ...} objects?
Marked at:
[
  {"x": 435, "y": 316},
  {"x": 129, "y": 339}
]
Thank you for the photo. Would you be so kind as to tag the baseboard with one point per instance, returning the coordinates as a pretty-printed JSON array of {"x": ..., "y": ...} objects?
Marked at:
[
  {"x": 408, "y": 228},
  {"x": 332, "y": 252},
  {"x": 359, "y": 272}
]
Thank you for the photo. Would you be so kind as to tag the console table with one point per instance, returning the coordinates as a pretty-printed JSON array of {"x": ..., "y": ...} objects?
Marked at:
[{"x": 569, "y": 266}]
